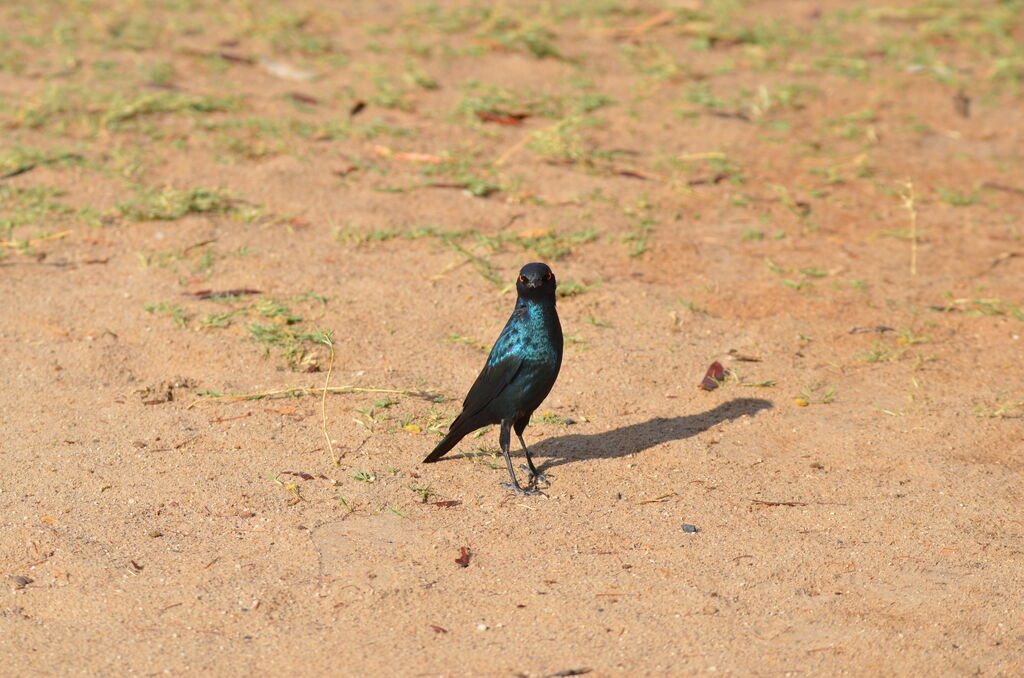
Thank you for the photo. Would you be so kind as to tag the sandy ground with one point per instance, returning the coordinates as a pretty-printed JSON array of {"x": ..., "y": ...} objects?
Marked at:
[{"x": 734, "y": 196}]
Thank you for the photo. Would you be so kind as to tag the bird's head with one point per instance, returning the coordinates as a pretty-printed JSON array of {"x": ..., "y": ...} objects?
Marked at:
[{"x": 536, "y": 281}]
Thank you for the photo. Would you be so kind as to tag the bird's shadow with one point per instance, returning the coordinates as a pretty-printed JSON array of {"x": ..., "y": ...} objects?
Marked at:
[{"x": 635, "y": 438}]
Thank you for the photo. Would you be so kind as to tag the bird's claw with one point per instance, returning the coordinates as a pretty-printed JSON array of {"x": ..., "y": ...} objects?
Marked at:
[
  {"x": 535, "y": 476},
  {"x": 519, "y": 490}
]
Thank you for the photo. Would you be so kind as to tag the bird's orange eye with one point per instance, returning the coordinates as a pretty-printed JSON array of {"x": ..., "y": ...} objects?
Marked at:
[
  {"x": 548, "y": 276},
  {"x": 522, "y": 278}
]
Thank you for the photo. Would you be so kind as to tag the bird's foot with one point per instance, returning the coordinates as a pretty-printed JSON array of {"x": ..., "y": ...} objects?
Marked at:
[
  {"x": 535, "y": 476},
  {"x": 519, "y": 490}
]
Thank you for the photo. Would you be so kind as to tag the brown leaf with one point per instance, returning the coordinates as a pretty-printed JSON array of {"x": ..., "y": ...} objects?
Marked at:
[
  {"x": 718, "y": 178},
  {"x": 501, "y": 117},
  {"x": 403, "y": 155},
  {"x": 714, "y": 377},
  {"x": 1002, "y": 187},
  {"x": 303, "y": 98},
  {"x": 744, "y": 357}
]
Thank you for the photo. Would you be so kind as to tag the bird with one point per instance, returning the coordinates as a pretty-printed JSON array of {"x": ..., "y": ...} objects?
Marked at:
[{"x": 520, "y": 370}]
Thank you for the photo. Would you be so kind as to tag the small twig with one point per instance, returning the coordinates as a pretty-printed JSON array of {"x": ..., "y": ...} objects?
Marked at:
[
  {"x": 657, "y": 499},
  {"x": 511, "y": 220},
  {"x": 1002, "y": 187},
  {"x": 658, "y": 19},
  {"x": 226, "y": 56},
  {"x": 717, "y": 179},
  {"x": 635, "y": 173},
  {"x": 623, "y": 171},
  {"x": 570, "y": 672},
  {"x": 210, "y": 294},
  {"x": 34, "y": 241},
  {"x": 198, "y": 244},
  {"x": 1005, "y": 256},
  {"x": 28, "y": 167},
  {"x": 778, "y": 503}
]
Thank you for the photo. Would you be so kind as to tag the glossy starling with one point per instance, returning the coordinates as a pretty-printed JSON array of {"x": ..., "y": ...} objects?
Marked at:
[{"x": 519, "y": 373}]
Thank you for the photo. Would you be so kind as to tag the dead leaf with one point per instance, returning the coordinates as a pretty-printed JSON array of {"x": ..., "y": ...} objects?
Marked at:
[
  {"x": 501, "y": 117},
  {"x": 714, "y": 377},
  {"x": 402, "y": 155}
]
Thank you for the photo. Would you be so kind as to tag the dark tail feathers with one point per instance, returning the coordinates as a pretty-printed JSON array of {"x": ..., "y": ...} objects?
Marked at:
[
  {"x": 443, "y": 447},
  {"x": 455, "y": 433}
]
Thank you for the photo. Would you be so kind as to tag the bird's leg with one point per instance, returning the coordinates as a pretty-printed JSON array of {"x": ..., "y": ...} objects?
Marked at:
[
  {"x": 504, "y": 439},
  {"x": 535, "y": 475}
]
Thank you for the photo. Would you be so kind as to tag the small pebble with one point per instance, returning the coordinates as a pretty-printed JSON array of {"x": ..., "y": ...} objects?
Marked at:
[
  {"x": 156, "y": 533},
  {"x": 21, "y": 581},
  {"x": 481, "y": 627},
  {"x": 687, "y": 527}
]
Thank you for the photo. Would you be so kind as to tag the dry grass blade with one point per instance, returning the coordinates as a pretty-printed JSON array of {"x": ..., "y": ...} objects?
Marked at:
[
  {"x": 659, "y": 19},
  {"x": 326, "y": 338},
  {"x": 298, "y": 391},
  {"x": 660, "y": 498},
  {"x": 34, "y": 241}
]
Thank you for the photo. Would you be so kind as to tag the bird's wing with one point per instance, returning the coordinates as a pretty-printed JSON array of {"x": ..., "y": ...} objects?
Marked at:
[
  {"x": 494, "y": 378},
  {"x": 503, "y": 363}
]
